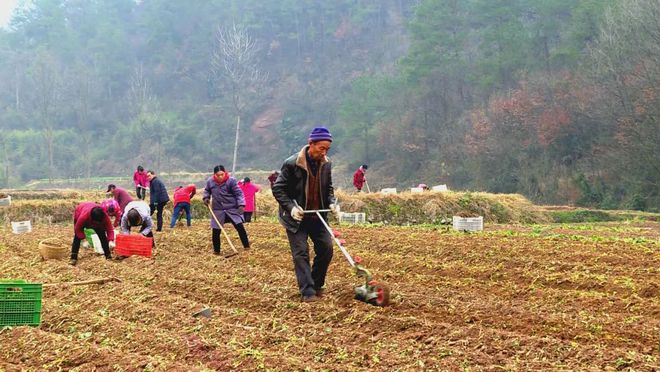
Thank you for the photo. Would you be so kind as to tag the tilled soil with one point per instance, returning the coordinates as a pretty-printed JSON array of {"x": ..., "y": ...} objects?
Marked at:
[{"x": 459, "y": 301}]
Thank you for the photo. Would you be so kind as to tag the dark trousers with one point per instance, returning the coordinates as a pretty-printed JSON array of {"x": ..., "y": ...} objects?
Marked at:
[
  {"x": 241, "y": 233},
  {"x": 75, "y": 246},
  {"x": 247, "y": 216},
  {"x": 310, "y": 278},
  {"x": 141, "y": 193},
  {"x": 159, "y": 214},
  {"x": 177, "y": 211}
]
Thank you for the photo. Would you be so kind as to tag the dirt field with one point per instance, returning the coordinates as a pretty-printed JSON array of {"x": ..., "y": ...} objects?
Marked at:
[{"x": 534, "y": 298}]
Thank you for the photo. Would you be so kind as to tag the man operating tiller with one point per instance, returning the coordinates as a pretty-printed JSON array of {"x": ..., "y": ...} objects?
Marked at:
[{"x": 306, "y": 182}]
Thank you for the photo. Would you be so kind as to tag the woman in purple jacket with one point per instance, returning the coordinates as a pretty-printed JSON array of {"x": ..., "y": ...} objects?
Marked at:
[{"x": 228, "y": 205}]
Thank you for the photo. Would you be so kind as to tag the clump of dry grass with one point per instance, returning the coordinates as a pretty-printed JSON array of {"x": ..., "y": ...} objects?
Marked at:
[
  {"x": 54, "y": 206},
  {"x": 432, "y": 207}
]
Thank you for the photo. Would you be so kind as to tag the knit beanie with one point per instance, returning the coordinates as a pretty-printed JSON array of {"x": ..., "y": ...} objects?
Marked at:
[{"x": 320, "y": 134}]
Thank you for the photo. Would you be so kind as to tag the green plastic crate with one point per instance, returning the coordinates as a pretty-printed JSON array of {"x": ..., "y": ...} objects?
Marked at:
[{"x": 20, "y": 303}]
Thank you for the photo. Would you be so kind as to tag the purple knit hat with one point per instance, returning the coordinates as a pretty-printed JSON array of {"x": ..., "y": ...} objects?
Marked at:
[{"x": 320, "y": 134}]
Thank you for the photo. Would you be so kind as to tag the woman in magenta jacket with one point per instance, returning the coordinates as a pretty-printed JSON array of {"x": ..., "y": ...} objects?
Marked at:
[
  {"x": 249, "y": 191},
  {"x": 141, "y": 182}
]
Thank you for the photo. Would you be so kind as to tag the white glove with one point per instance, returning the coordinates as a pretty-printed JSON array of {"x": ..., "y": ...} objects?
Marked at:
[
  {"x": 334, "y": 208},
  {"x": 111, "y": 244},
  {"x": 297, "y": 213},
  {"x": 85, "y": 244}
]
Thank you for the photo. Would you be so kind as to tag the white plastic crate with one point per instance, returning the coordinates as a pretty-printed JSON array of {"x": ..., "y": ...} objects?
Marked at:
[
  {"x": 468, "y": 223},
  {"x": 389, "y": 190},
  {"x": 416, "y": 190},
  {"x": 5, "y": 202},
  {"x": 440, "y": 188},
  {"x": 21, "y": 227},
  {"x": 353, "y": 218}
]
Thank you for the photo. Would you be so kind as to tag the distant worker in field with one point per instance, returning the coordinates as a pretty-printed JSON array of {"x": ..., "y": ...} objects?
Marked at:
[
  {"x": 141, "y": 182},
  {"x": 273, "y": 177},
  {"x": 158, "y": 198},
  {"x": 228, "y": 205},
  {"x": 112, "y": 208},
  {"x": 90, "y": 215},
  {"x": 120, "y": 195},
  {"x": 423, "y": 186},
  {"x": 182, "y": 196},
  {"x": 250, "y": 191},
  {"x": 358, "y": 177},
  {"x": 306, "y": 182}
]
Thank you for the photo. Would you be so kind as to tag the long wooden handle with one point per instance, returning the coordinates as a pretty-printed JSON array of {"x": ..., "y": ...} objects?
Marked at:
[
  {"x": 85, "y": 282},
  {"x": 220, "y": 226}
]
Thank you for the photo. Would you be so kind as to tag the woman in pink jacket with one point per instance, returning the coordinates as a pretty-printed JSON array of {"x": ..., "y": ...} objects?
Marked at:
[
  {"x": 141, "y": 182},
  {"x": 249, "y": 190}
]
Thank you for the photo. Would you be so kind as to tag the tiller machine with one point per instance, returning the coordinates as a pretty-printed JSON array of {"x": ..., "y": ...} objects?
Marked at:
[{"x": 371, "y": 292}]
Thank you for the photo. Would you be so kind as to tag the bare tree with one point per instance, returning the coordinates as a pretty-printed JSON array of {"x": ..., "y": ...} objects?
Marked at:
[
  {"x": 624, "y": 63},
  {"x": 147, "y": 116},
  {"x": 85, "y": 88},
  {"x": 140, "y": 96},
  {"x": 235, "y": 63},
  {"x": 47, "y": 93}
]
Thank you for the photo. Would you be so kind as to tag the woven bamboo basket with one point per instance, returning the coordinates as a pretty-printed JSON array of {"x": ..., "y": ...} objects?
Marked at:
[{"x": 53, "y": 248}]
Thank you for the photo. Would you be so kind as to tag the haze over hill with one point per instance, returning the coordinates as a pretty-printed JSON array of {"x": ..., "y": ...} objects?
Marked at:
[{"x": 554, "y": 99}]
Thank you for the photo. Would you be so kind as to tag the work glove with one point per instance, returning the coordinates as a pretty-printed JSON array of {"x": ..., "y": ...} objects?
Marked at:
[
  {"x": 111, "y": 244},
  {"x": 206, "y": 202},
  {"x": 297, "y": 213},
  {"x": 241, "y": 209},
  {"x": 334, "y": 208}
]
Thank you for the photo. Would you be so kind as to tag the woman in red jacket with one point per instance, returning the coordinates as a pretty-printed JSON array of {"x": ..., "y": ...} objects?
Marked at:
[
  {"x": 90, "y": 215},
  {"x": 182, "y": 196},
  {"x": 358, "y": 177}
]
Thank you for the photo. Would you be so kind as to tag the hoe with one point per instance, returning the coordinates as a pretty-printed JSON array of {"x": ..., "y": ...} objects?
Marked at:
[
  {"x": 231, "y": 245},
  {"x": 371, "y": 292}
]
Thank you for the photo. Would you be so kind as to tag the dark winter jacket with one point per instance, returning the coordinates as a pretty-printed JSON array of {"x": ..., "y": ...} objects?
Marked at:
[
  {"x": 291, "y": 185},
  {"x": 157, "y": 191}
]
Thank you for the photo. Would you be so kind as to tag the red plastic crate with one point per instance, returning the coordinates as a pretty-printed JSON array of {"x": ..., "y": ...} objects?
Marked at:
[{"x": 129, "y": 245}]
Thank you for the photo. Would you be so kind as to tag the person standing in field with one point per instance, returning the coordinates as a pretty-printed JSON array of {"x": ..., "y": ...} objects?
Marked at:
[
  {"x": 141, "y": 181},
  {"x": 228, "y": 205},
  {"x": 90, "y": 215},
  {"x": 182, "y": 196},
  {"x": 158, "y": 198},
  {"x": 359, "y": 178},
  {"x": 306, "y": 182},
  {"x": 120, "y": 195},
  {"x": 249, "y": 191}
]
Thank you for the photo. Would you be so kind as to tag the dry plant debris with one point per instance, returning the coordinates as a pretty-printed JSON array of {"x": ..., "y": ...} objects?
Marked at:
[{"x": 488, "y": 301}]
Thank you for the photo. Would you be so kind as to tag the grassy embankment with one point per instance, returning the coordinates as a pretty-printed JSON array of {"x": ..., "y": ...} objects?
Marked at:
[{"x": 53, "y": 206}]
